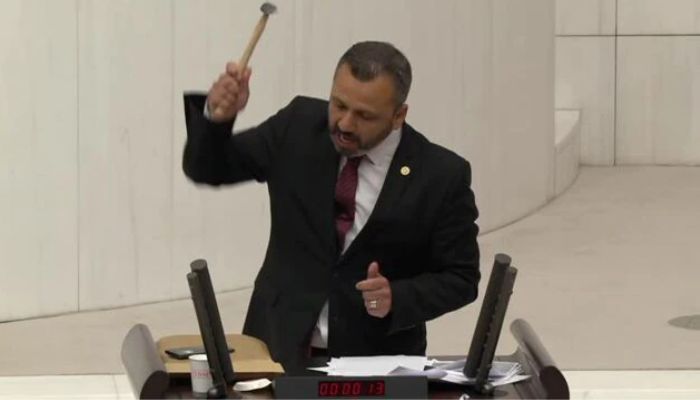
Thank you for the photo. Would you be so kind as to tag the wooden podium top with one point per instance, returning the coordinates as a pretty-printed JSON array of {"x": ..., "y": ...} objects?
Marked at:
[{"x": 251, "y": 358}]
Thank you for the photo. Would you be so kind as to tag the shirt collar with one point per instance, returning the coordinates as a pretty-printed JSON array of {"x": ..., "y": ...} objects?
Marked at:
[{"x": 383, "y": 152}]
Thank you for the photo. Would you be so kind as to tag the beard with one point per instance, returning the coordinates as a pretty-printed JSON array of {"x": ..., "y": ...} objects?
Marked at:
[{"x": 351, "y": 144}]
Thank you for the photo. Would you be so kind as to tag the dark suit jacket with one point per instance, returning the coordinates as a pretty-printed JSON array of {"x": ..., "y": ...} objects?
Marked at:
[{"x": 422, "y": 232}]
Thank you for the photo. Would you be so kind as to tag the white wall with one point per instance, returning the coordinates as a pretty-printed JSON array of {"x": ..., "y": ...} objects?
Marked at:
[
  {"x": 658, "y": 82},
  {"x": 658, "y": 17},
  {"x": 658, "y": 101},
  {"x": 633, "y": 68},
  {"x": 585, "y": 73},
  {"x": 38, "y": 158},
  {"x": 95, "y": 211}
]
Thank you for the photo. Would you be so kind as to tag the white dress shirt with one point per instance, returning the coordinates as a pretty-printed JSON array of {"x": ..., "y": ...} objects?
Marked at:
[{"x": 370, "y": 178}]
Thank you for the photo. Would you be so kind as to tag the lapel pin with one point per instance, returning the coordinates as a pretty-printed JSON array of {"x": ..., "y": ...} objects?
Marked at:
[{"x": 405, "y": 170}]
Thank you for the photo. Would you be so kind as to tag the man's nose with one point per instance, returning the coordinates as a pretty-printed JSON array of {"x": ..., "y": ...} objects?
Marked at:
[{"x": 347, "y": 123}]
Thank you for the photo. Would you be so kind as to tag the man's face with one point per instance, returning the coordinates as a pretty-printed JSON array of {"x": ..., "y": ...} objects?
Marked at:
[{"x": 362, "y": 114}]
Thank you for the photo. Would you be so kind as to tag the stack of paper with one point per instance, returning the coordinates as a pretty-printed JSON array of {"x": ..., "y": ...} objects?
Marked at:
[
  {"x": 372, "y": 366},
  {"x": 501, "y": 372}
]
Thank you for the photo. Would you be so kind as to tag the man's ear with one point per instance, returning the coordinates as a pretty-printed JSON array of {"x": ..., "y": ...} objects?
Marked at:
[{"x": 400, "y": 116}]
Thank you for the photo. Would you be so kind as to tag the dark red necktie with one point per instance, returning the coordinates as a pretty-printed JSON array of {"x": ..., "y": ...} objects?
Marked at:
[{"x": 345, "y": 190}]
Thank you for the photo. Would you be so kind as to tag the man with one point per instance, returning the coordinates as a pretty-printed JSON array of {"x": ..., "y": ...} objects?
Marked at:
[{"x": 372, "y": 226}]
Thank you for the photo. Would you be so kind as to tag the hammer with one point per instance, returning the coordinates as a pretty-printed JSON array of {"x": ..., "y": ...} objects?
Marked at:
[{"x": 267, "y": 9}]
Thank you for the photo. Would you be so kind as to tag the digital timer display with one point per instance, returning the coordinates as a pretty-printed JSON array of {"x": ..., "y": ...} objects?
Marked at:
[{"x": 352, "y": 388}]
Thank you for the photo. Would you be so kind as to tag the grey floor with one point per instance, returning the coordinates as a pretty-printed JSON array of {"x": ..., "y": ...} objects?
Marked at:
[{"x": 602, "y": 271}]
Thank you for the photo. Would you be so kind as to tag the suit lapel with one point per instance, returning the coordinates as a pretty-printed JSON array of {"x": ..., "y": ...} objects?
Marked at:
[
  {"x": 320, "y": 176},
  {"x": 398, "y": 178}
]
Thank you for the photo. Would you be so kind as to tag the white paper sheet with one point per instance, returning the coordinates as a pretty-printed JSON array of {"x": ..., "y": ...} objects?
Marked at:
[{"x": 373, "y": 365}]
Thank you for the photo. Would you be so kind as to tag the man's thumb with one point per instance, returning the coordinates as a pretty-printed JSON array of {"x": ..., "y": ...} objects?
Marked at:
[{"x": 373, "y": 270}]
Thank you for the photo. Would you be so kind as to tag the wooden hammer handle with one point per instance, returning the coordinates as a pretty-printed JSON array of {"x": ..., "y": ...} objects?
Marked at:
[
  {"x": 259, "y": 28},
  {"x": 243, "y": 63}
]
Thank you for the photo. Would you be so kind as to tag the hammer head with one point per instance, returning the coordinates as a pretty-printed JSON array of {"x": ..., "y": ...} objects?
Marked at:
[{"x": 268, "y": 8}]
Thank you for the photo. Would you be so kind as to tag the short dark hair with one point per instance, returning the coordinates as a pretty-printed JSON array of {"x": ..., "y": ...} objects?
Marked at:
[{"x": 369, "y": 59}]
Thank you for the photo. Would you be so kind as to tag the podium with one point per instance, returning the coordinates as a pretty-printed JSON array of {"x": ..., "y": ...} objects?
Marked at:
[
  {"x": 251, "y": 358},
  {"x": 153, "y": 374}
]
